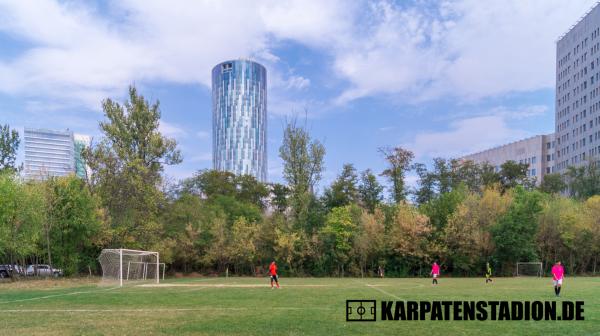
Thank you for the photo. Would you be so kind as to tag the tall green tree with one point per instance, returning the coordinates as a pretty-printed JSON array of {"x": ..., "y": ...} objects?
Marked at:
[
  {"x": 398, "y": 160},
  {"x": 126, "y": 169},
  {"x": 302, "y": 167},
  {"x": 513, "y": 174},
  {"x": 9, "y": 145},
  {"x": 343, "y": 190},
  {"x": 425, "y": 191},
  {"x": 280, "y": 194},
  {"x": 339, "y": 231},
  {"x": 76, "y": 230},
  {"x": 553, "y": 183},
  {"x": 515, "y": 231},
  {"x": 22, "y": 212},
  {"x": 583, "y": 181},
  {"x": 370, "y": 191}
]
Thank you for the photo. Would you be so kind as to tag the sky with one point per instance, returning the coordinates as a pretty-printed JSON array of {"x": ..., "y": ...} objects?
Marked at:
[{"x": 441, "y": 78}]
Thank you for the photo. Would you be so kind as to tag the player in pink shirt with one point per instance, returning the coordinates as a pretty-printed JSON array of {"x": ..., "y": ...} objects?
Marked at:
[
  {"x": 435, "y": 272},
  {"x": 558, "y": 272}
]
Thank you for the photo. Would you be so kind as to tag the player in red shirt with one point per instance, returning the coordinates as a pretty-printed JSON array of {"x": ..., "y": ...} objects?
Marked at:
[{"x": 273, "y": 274}]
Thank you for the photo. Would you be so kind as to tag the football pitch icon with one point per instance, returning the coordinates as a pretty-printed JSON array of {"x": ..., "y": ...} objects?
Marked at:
[{"x": 360, "y": 310}]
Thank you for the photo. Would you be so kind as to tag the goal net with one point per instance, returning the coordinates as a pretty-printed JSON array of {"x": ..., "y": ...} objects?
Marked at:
[
  {"x": 123, "y": 266},
  {"x": 529, "y": 269}
]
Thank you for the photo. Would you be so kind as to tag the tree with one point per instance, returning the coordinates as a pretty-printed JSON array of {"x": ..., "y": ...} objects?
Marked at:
[
  {"x": 513, "y": 174},
  {"x": 126, "y": 169},
  {"x": 467, "y": 236},
  {"x": 443, "y": 173},
  {"x": 370, "y": 191},
  {"x": 343, "y": 190},
  {"x": 217, "y": 252},
  {"x": 279, "y": 199},
  {"x": 514, "y": 233},
  {"x": 409, "y": 236},
  {"x": 242, "y": 248},
  {"x": 426, "y": 190},
  {"x": 210, "y": 183},
  {"x": 398, "y": 160},
  {"x": 553, "y": 183},
  {"x": 9, "y": 145},
  {"x": 74, "y": 224},
  {"x": 302, "y": 167},
  {"x": 583, "y": 181},
  {"x": 250, "y": 190},
  {"x": 440, "y": 208},
  {"x": 339, "y": 231},
  {"x": 21, "y": 216},
  {"x": 489, "y": 176},
  {"x": 370, "y": 242},
  {"x": 476, "y": 177},
  {"x": 592, "y": 209}
]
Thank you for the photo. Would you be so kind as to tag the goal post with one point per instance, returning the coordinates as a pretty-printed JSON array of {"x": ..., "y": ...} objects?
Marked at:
[
  {"x": 125, "y": 265},
  {"x": 530, "y": 268}
]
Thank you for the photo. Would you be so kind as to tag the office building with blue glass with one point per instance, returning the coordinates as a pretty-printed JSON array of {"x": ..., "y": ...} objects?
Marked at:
[{"x": 239, "y": 94}]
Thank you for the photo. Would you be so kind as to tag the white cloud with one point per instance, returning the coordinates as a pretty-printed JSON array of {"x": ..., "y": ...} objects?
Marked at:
[
  {"x": 417, "y": 51},
  {"x": 469, "y": 48},
  {"x": 171, "y": 130},
  {"x": 297, "y": 82},
  {"x": 78, "y": 54},
  {"x": 464, "y": 137}
]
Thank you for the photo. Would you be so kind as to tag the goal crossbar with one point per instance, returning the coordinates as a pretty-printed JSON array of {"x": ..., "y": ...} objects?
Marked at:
[
  {"x": 117, "y": 265},
  {"x": 529, "y": 268}
]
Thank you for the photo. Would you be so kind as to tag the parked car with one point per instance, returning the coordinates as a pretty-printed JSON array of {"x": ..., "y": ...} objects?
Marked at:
[
  {"x": 7, "y": 271},
  {"x": 43, "y": 270}
]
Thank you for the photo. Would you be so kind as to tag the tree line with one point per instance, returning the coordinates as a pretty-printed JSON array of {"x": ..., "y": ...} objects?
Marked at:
[{"x": 460, "y": 213}]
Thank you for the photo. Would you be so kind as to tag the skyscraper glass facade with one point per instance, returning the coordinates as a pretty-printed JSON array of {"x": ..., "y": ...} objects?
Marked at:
[
  {"x": 48, "y": 153},
  {"x": 79, "y": 144},
  {"x": 239, "y": 93}
]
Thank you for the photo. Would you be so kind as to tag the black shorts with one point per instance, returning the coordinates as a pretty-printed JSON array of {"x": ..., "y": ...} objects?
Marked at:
[{"x": 274, "y": 277}]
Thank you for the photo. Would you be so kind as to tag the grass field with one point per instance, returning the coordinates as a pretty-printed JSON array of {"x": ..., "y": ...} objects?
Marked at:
[{"x": 246, "y": 306}]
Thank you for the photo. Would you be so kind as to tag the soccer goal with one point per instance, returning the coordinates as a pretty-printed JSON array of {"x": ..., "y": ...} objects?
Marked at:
[
  {"x": 123, "y": 265},
  {"x": 529, "y": 269}
]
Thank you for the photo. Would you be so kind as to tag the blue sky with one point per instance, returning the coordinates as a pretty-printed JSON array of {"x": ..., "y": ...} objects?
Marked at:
[{"x": 442, "y": 78}]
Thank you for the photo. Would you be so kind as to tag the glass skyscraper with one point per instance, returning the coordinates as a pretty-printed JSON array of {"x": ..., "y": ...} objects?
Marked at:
[{"x": 239, "y": 94}]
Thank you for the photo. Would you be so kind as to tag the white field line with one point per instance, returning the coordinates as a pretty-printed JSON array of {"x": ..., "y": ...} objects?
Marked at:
[
  {"x": 157, "y": 310},
  {"x": 225, "y": 285},
  {"x": 376, "y": 287},
  {"x": 385, "y": 292},
  {"x": 58, "y": 295}
]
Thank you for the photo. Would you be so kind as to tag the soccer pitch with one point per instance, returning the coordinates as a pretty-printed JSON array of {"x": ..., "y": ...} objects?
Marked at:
[{"x": 247, "y": 306}]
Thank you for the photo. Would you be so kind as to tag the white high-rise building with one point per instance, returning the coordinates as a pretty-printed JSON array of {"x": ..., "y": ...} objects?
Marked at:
[
  {"x": 537, "y": 152},
  {"x": 578, "y": 93},
  {"x": 48, "y": 153}
]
